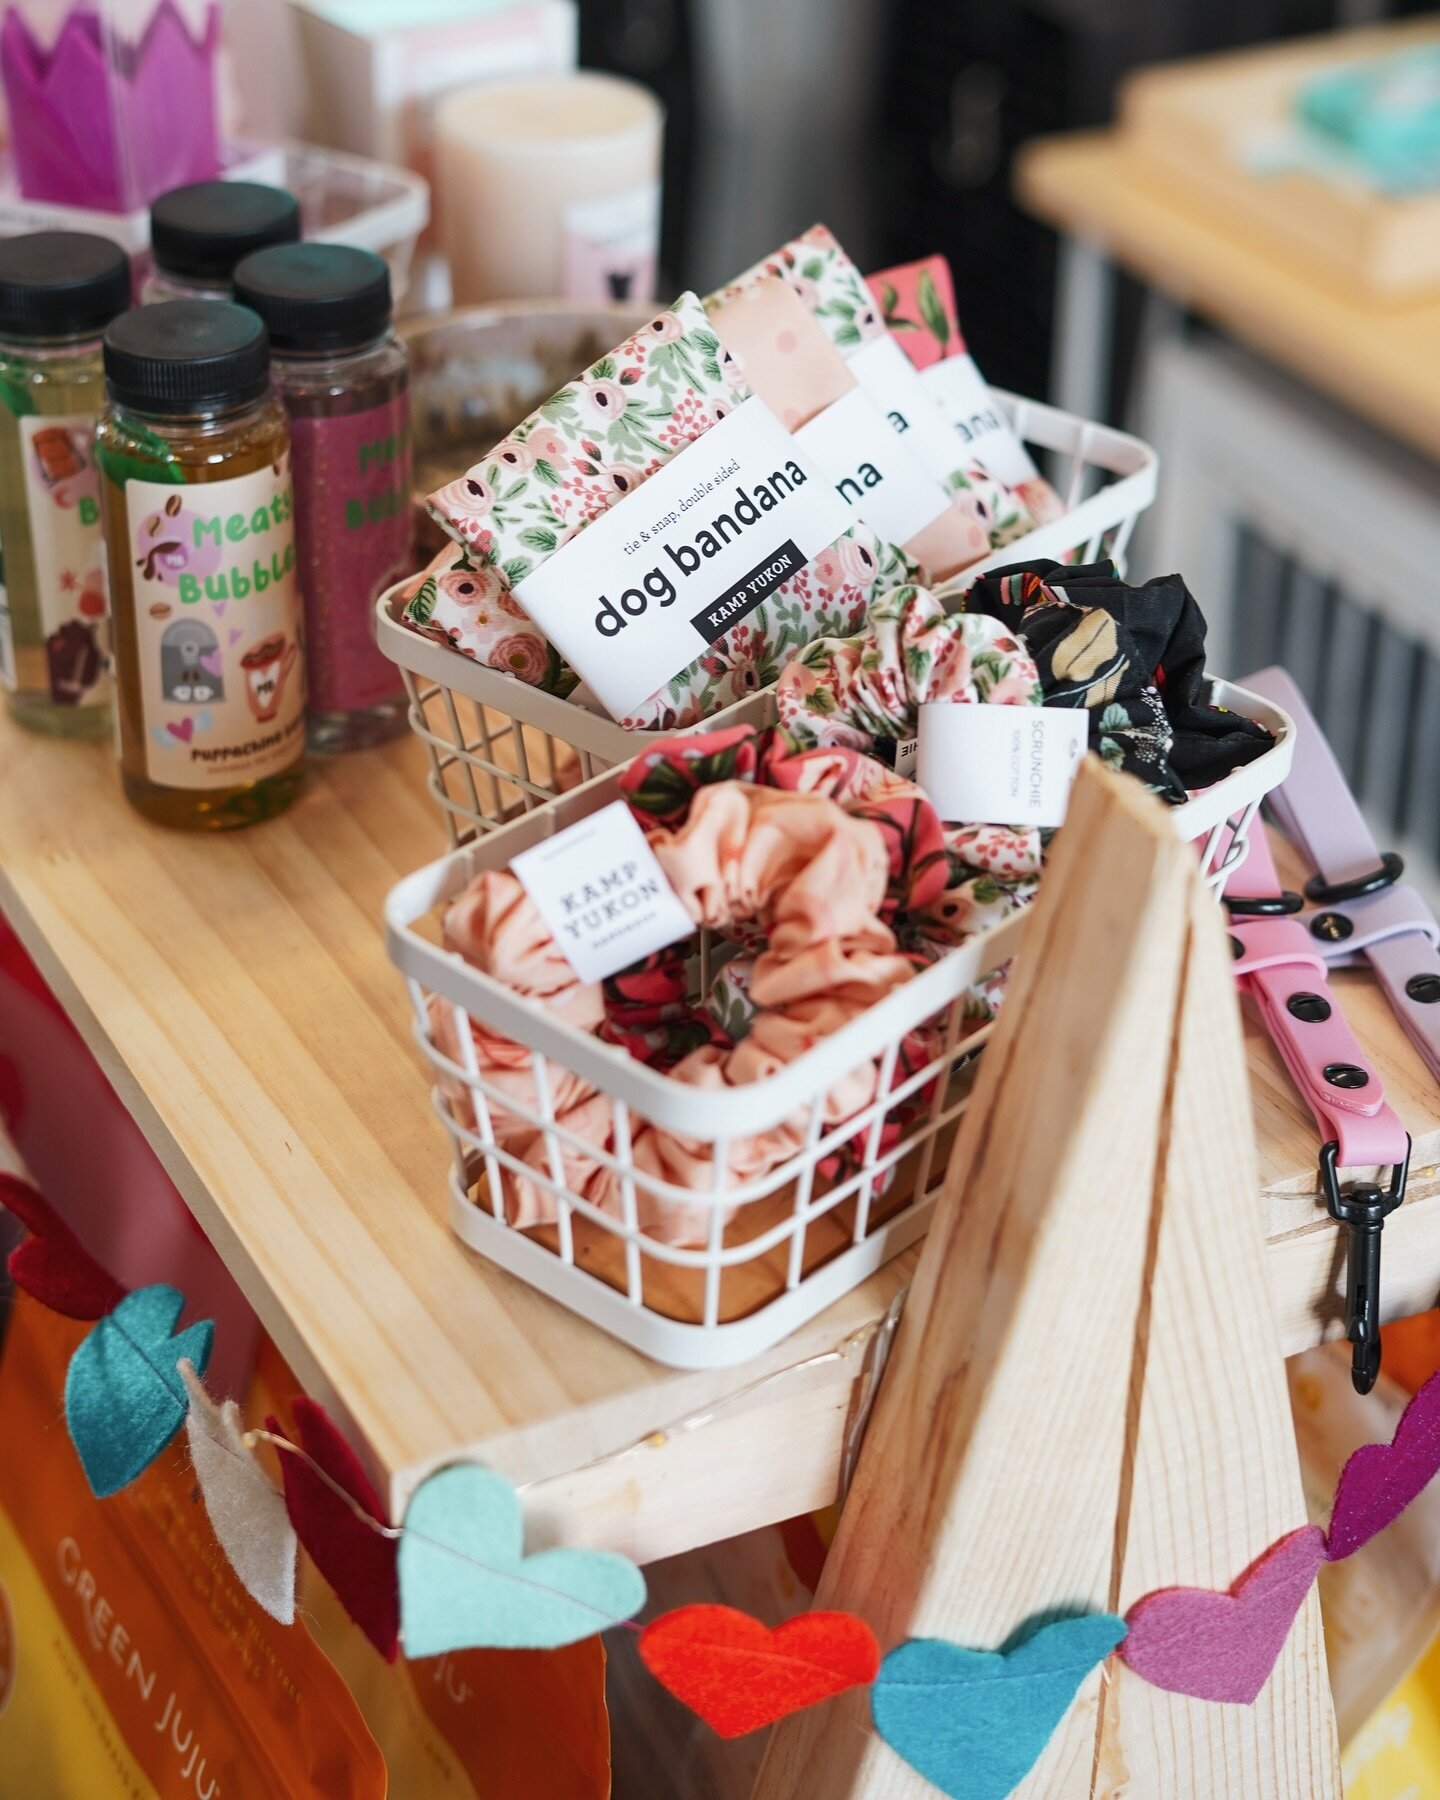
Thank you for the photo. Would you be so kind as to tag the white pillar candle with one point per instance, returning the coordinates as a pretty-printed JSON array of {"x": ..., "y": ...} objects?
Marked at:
[{"x": 550, "y": 187}]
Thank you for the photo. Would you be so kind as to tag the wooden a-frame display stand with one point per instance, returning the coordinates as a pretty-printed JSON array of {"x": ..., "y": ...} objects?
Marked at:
[{"x": 1086, "y": 1399}]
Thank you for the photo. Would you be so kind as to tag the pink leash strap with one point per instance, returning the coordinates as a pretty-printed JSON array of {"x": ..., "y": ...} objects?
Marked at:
[
  {"x": 1279, "y": 965},
  {"x": 1364, "y": 912}
]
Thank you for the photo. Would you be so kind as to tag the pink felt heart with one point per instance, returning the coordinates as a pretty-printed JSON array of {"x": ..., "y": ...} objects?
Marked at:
[
  {"x": 212, "y": 662},
  {"x": 185, "y": 730},
  {"x": 236, "y": 633},
  {"x": 1380, "y": 1480},
  {"x": 1222, "y": 1646},
  {"x": 218, "y": 608}
]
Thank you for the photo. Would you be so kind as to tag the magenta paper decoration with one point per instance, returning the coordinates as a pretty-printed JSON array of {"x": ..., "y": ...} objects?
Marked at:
[
  {"x": 1380, "y": 1480},
  {"x": 109, "y": 123},
  {"x": 1222, "y": 1646}
]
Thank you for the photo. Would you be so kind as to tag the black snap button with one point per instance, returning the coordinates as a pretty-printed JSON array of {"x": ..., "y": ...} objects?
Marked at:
[
  {"x": 1424, "y": 988},
  {"x": 1346, "y": 1075},
  {"x": 1314, "y": 1009},
  {"x": 1237, "y": 949},
  {"x": 1333, "y": 927}
]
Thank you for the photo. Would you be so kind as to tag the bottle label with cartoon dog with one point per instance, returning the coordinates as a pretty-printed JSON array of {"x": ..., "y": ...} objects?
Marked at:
[
  {"x": 217, "y": 615},
  {"x": 62, "y": 497}
]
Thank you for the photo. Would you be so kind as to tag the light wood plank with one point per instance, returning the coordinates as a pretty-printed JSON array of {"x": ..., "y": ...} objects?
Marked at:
[
  {"x": 987, "y": 1490},
  {"x": 1382, "y": 361},
  {"x": 1214, "y": 1475}
]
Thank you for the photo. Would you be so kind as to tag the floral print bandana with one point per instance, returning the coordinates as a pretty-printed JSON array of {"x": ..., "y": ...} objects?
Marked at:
[
  {"x": 917, "y": 303},
  {"x": 586, "y": 448},
  {"x": 836, "y": 293}
]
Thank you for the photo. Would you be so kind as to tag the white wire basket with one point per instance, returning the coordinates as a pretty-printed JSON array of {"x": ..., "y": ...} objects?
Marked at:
[
  {"x": 778, "y": 1249},
  {"x": 498, "y": 748}
]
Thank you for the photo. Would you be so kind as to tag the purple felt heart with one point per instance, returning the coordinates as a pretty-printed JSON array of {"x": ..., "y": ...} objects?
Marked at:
[
  {"x": 212, "y": 662},
  {"x": 1380, "y": 1480},
  {"x": 1222, "y": 1646}
]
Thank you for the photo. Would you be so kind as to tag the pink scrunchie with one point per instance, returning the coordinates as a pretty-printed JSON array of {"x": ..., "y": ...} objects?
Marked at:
[{"x": 809, "y": 878}]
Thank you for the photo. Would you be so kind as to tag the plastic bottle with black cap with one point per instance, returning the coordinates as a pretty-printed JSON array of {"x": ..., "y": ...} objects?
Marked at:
[
  {"x": 58, "y": 292},
  {"x": 199, "y": 233},
  {"x": 194, "y": 457},
  {"x": 343, "y": 376}
]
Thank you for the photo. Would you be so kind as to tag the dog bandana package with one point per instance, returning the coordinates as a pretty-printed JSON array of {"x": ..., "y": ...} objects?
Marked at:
[
  {"x": 835, "y": 293},
  {"x": 809, "y": 386},
  {"x": 917, "y": 303},
  {"x": 686, "y": 596}
]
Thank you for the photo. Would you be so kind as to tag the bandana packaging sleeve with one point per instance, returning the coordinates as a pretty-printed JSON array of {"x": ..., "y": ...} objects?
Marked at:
[
  {"x": 834, "y": 291},
  {"x": 669, "y": 609},
  {"x": 808, "y": 385},
  {"x": 917, "y": 302}
]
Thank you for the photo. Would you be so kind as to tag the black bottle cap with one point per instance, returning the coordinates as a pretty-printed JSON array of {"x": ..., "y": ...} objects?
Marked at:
[
  {"x": 317, "y": 297},
  {"x": 200, "y": 232},
  {"x": 56, "y": 284},
  {"x": 187, "y": 357}
]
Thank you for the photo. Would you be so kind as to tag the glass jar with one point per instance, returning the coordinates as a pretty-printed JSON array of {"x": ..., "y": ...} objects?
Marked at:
[
  {"x": 194, "y": 455},
  {"x": 58, "y": 292},
  {"x": 199, "y": 233},
  {"x": 344, "y": 379}
]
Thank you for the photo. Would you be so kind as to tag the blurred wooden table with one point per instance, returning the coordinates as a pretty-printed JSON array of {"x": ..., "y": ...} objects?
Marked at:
[{"x": 237, "y": 993}]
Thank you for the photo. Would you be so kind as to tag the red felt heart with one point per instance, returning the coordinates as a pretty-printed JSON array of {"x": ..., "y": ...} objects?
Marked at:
[
  {"x": 185, "y": 730},
  {"x": 1222, "y": 1646},
  {"x": 738, "y": 1676},
  {"x": 52, "y": 1264},
  {"x": 357, "y": 1560}
]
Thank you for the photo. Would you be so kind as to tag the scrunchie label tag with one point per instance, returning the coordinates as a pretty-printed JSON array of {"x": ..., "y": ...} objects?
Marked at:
[
  {"x": 605, "y": 898},
  {"x": 1000, "y": 765}
]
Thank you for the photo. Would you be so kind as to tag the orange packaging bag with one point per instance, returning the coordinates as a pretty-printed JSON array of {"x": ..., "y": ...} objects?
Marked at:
[{"x": 134, "y": 1667}]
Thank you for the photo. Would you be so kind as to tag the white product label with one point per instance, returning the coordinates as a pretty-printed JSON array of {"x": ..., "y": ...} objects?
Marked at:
[
  {"x": 1000, "y": 765},
  {"x": 62, "y": 499},
  {"x": 217, "y": 628},
  {"x": 641, "y": 592},
  {"x": 907, "y": 758},
  {"x": 871, "y": 468},
  {"x": 892, "y": 381},
  {"x": 605, "y": 898},
  {"x": 611, "y": 246},
  {"x": 958, "y": 390}
]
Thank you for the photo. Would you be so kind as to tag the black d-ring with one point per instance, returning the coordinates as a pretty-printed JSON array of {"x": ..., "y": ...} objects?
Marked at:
[
  {"x": 1264, "y": 906},
  {"x": 1330, "y": 893}
]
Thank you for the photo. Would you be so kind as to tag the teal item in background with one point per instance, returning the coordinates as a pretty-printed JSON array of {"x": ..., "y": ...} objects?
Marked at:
[
  {"x": 1386, "y": 114},
  {"x": 124, "y": 1399}
]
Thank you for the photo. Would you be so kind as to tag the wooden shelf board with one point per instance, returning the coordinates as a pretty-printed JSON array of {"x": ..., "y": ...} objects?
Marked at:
[{"x": 237, "y": 992}]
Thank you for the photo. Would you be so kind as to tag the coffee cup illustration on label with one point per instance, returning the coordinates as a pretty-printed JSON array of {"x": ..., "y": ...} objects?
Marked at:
[{"x": 218, "y": 618}]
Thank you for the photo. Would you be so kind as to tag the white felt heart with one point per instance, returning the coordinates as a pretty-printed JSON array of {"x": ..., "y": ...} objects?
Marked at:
[{"x": 246, "y": 1514}]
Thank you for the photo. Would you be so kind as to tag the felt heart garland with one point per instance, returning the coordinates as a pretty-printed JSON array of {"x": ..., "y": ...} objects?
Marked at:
[
  {"x": 465, "y": 1582},
  {"x": 738, "y": 1676},
  {"x": 246, "y": 1514},
  {"x": 970, "y": 1721},
  {"x": 974, "y": 1722},
  {"x": 1380, "y": 1480},
  {"x": 52, "y": 1265},
  {"x": 1222, "y": 1646},
  {"x": 124, "y": 1399},
  {"x": 357, "y": 1560}
]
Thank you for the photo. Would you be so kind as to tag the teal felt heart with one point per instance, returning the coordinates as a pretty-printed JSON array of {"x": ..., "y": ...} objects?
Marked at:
[
  {"x": 465, "y": 1582},
  {"x": 973, "y": 1722},
  {"x": 124, "y": 1399}
]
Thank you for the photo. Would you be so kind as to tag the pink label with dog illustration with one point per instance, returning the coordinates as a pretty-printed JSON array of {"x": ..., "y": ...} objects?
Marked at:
[
  {"x": 62, "y": 491},
  {"x": 217, "y": 611}
]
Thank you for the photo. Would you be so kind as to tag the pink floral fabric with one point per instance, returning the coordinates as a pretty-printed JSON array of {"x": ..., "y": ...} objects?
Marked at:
[{"x": 589, "y": 446}]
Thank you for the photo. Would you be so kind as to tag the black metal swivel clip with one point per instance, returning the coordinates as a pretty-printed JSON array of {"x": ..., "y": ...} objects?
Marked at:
[{"x": 1363, "y": 1210}]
